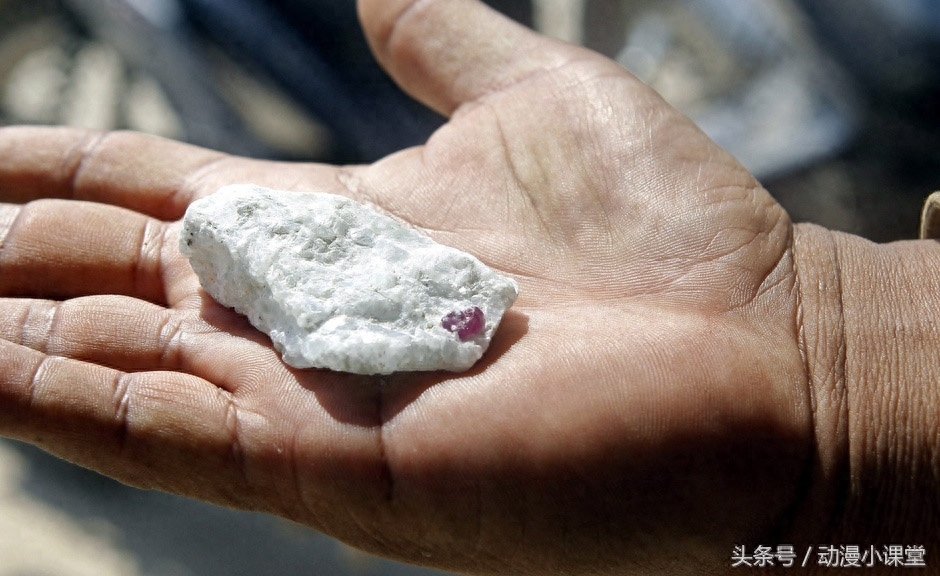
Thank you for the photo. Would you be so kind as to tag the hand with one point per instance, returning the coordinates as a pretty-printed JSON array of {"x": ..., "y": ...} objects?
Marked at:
[{"x": 645, "y": 404}]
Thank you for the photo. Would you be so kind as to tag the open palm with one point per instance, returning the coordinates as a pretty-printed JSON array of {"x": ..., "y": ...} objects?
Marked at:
[{"x": 645, "y": 395}]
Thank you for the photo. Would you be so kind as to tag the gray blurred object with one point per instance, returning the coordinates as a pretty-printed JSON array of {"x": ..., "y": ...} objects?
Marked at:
[
  {"x": 310, "y": 52},
  {"x": 149, "y": 35},
  {"x": 749, "y": 74},
  {"x": 892, "y": 50},
  {"x": 287, "y": 79},
  {"x": 103, "y": 64},
  {"x": 890, "y": 46}
]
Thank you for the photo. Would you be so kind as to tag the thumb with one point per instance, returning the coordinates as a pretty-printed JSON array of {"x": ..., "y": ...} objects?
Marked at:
[{"x": 449, "y": 52}]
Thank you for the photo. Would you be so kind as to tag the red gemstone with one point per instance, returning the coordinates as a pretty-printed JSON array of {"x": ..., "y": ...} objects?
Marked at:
[{"x": 466, "y": 323}]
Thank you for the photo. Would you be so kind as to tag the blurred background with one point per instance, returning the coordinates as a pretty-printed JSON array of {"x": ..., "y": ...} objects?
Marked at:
[{"x": 833, "y": 105}]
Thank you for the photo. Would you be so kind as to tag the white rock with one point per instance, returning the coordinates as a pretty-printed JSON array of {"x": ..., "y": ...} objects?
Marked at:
[{"x": 337, "y": 285}]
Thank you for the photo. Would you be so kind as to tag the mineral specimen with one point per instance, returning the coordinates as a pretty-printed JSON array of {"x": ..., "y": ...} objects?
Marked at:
[
  {"x": 336, "y": 285},
  {"x": 466, "y": 323}
]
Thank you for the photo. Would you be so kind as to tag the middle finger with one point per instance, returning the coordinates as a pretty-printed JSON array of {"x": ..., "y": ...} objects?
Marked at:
[{"x": 62, "y": 249}]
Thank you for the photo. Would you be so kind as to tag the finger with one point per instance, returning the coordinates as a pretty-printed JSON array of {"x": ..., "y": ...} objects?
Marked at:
[
  {"x": 133, "y": 335},
  {"x": 116, "y": 331},
  {"x": 449, "y": 52},
  {"x": 140, "y": 428},
  {"x": 60, "y": 249},
  {"x": 144, "y": 173},
  {"x": 276, "y": 449}
]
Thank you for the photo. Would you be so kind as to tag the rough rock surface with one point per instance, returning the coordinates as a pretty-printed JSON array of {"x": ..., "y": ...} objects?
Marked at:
[{"x": 336, "y": 285}]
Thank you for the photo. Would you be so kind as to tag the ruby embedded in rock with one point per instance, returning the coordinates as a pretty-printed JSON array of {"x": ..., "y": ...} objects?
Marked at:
[
  {"x": 466, "y": 323},
  {"x": 338, "y": 286}
]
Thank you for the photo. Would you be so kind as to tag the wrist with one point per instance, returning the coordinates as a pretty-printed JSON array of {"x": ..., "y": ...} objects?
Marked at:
[{"x": 871, "y": 343}]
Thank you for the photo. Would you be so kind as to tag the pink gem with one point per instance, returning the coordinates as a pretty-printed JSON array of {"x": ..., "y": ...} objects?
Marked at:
[{"x": 466, "y": 323}]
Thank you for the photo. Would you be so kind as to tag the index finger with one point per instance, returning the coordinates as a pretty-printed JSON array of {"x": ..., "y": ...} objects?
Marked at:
[
  {"x": 144, "y": 173},
  {"x": 147, "y": 174}
]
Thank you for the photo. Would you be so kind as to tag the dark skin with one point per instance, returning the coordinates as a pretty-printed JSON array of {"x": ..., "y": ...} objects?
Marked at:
[{"x": 684, "y": 370}]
